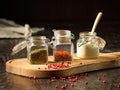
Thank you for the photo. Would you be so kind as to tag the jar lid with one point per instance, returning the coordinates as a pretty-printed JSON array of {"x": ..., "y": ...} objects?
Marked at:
[
  {"x": 38, "y": 39},
  {"x": 62, "y": 32},
  {"x": 87, "y": 33}
]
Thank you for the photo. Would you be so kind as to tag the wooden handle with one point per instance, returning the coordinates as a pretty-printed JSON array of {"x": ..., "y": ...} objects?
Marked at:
[{"x": 96, "y": 22}]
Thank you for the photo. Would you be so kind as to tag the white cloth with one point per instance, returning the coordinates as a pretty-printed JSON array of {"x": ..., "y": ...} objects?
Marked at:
[{"x": 9, "y": 29}]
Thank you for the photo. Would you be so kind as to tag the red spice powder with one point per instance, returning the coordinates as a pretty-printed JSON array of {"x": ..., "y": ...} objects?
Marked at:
[{"x": 62, "y": 55}]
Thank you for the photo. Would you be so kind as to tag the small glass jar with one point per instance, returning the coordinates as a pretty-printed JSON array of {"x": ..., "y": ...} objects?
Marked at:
[
  {"x": 63, "y": 48},
  {"x": 37, "y": 50},
  {"x": 88, "y": 45}
]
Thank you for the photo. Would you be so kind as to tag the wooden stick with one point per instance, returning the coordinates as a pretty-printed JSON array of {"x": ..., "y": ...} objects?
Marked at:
[{"x": 96, "y": 22}]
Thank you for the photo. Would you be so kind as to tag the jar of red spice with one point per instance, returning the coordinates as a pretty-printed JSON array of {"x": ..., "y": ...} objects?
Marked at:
[{"x": 63, "y": 48}]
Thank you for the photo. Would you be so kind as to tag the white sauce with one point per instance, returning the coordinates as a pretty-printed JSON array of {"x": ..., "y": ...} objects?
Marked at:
[{"x": 87, "y": 51}]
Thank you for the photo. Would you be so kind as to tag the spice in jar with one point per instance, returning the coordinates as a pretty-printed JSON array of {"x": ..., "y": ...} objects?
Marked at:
[
  {"x": 63, "y": 47},
  {"x": 61, "y": 55},
  {"x": 37, "y": 50},
  {"x": 38, "y": 56}
]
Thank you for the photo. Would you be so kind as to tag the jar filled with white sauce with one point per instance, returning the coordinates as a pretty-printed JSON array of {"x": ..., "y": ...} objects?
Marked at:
[{"x": 89, "y": 45}]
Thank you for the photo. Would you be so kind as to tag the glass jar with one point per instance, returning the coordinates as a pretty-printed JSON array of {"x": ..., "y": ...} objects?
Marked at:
[
  {"x": 88, "y": 45},
  {"x": 63, "y": 48},
  {"x": 37, "y": 50}
]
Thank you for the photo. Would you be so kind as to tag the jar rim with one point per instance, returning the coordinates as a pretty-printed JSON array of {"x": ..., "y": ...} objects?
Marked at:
[
  {"x": 87, "y": 33},
  {"x": 37, "y": 38},
  {"x": 63, "y": 32},
  {"x": 58, "y": 30}
]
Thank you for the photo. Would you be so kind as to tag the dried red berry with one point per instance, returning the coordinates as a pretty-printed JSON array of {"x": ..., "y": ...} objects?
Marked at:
[
  {"x": 104, "y": 81},
  {"x": 68, "y": 62},
  {"x": 52, "y": 80},
  {"x": 104, "y": 75},
  {"x": 86, "y": 83},
  {"x": 99, "y": 78},
  {"x": 63, "y": 87},
  {"x": 34, "y": 77},
  {"x": 86, "y": 74},
  {"x": 72, "y": 84},
  {"x": 73, "y": 80},
  {"x": 53, "y": 77},
  {"x": 70, "y": 77},
  {"x": 66, "y": 85},
  {"x": 56, "y": 86},
  {"x": 63, "y": 78},
  {"x": 29, "y": 77},
  {"x": 118, "y": 86},
  {"x": 76, "y": 78}
]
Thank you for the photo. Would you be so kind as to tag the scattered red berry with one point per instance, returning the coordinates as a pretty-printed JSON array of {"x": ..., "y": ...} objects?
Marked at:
[
  {"x": 34, "y": 77},
  {"x": 52, "y": 80},
  {"x": 56, "y": 86},
  {"x": 99, "y": 78},
  {"x": 53, "y": 77},
  {"x": 104, "y": 81},
  {"x": 86, "y": 74},
  {"x": 63, "y": 87},
  {"x": 63, "y": 78},
  {"x": 104, "y": 75},
  {"x": 118, "y": 86},
  {"x": 66, "y": 85},
  {"x": 80, "y": 62},
  {"x": 86, "y": 83},
  {"x": 72, "y": 84},
  {"x": 29, "y": 77}
]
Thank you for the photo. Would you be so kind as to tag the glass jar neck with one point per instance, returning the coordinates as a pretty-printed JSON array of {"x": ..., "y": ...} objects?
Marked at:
[
  {"x": 63, "y": 39},
  {"x": 59, "y": 33},
  {"x": 87, "y": 34},
  {"x": 37, "y": 39}
]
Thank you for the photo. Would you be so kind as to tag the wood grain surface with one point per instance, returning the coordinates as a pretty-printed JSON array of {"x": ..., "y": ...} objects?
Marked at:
[{"x": 21, "y": 66}]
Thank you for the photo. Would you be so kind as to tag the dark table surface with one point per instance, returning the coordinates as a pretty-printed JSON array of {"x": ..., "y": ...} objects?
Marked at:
[{"x": 108, "y": 79}]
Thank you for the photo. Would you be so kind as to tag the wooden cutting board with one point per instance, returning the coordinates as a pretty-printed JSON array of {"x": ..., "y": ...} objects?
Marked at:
[{"x": 22, "y": 67}]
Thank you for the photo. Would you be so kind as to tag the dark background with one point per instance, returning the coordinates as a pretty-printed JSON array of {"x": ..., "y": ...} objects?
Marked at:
[{"x": 37, "y": 12}]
